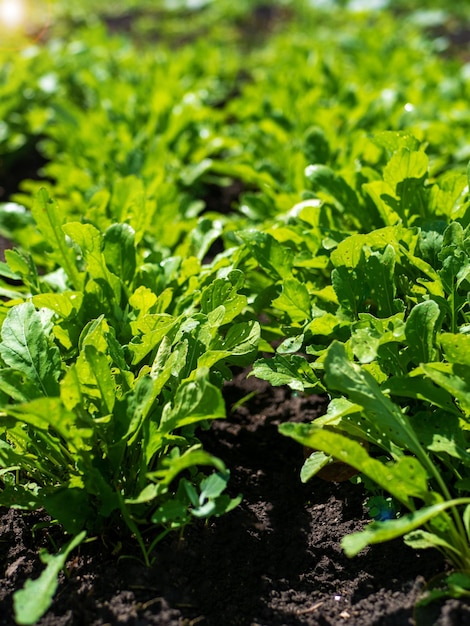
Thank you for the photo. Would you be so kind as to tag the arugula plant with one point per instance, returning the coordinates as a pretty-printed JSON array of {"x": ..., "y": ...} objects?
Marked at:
[
  {"x": 108, "y": 366},
  {"x": 379, "y": 320}
]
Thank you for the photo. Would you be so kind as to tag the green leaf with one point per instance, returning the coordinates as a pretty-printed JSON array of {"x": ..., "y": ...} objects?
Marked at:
[
  {"x": 119, "y": 251},
  {"x": 365, "y": 343},
  {"x": 350, "y": 251},
  {"x": 172, "y": 465},
  {"x": 17, "y": 386},
  {"x": 138, "y": 403},
  {"x": 31, "y": 602},
  {"x": 276, "y": 259},
  {"x": 27, "y": 348},
  {"x": 313, "y": 464},
  {"x": 440, "y": 432},
  {"x": 420, "y": 389},
  {"x": 291, "y": 370},
  {"x": 143, "y": 300},
  {"x": 171, "y": 511},
  {"x": 49, "y": 220},
  {"x": 91, "y": 243},
  {"x": 324, "y": 325},
  {"x": 333, "y": 188},
  {"x": 430, "y": 243},
  {"x": 466, "y": 519},
  {"x": 64, "y": 304},
  {"x": 455, "y": 270},
  {"x": 217, "y": 506},
  {"x": 242, "y": 338},
  {"x": 290, "y": 345},
  {"x": 350, "y": 290},
  {"x": 404, "y": 479},
  {"x": 49, "y": 415},
  {"x": 421, "y": 540},
  {"x": 316, "y": 146},
  {"x": 378, "y": 532},
  {"x": 195, "y": 401},
  {"x": 294, "y": 300},
  {"x": 213, "y": 486},
  {"x": 95, "y": 333},
  {"x": 24, "y": 266},
  {"x": 392, "y": 141},
  {"x": 23, "y": 497},
  {"x": 379, "y": 272},
  {"x": 204, "y": 235},
  {"x": 405, "y": 173},
  {"x": 100, "y": 367},
  {"x": 357, "y": 384},
  {"x": 454, "y": 378},
  {"x": 222, "y": 292},
  {"x": 456, "y": 347},
  {"x": 149, "y": 331},
  {"x": 211, "y": 501},
  {"x": 238, "y": 347},
  {"x": 420, "y": 331},
  {"x": 365, "y": 278},
  {"x": 383, "y": 197},
  {"x": 449, "y": 196},
  {"x": 405, "y": 165}
]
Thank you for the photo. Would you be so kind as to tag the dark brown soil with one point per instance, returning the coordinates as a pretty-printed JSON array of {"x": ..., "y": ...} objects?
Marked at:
[{"x": 275, "y": 560}]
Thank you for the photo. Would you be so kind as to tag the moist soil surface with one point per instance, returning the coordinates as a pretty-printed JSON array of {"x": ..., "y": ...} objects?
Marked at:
[{"x": 275, "y": 560}]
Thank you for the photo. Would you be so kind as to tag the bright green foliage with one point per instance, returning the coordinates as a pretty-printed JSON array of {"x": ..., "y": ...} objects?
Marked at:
[
  {"x": 391, "y": 352},
  {"x": 102, "y": 388},
  {"x": 336, "y": 194},
  {"x": 141, "y": 134}
]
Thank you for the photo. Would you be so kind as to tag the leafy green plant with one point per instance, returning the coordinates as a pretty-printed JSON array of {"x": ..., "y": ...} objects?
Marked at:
[
  {"x": 387, "y": 339},
  {"x": 108, "y": 366}
]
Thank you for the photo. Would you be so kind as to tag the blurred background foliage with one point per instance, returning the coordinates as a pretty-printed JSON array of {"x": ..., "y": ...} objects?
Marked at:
[{"x": 180, "y": 116}]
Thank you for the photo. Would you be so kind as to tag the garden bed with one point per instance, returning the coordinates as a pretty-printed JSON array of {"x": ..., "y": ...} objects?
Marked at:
[
  {"x": 275, "y": 560},
  {"x": 213, "y": 193}
]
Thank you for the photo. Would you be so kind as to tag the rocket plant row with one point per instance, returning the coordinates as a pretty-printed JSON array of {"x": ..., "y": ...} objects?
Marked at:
[
  {"x": 108, "y": 366},
  {"x": 380, "y": 321}
]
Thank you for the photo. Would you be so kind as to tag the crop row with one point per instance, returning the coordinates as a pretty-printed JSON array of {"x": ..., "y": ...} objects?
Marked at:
[{"x": 212, "y": 198}]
